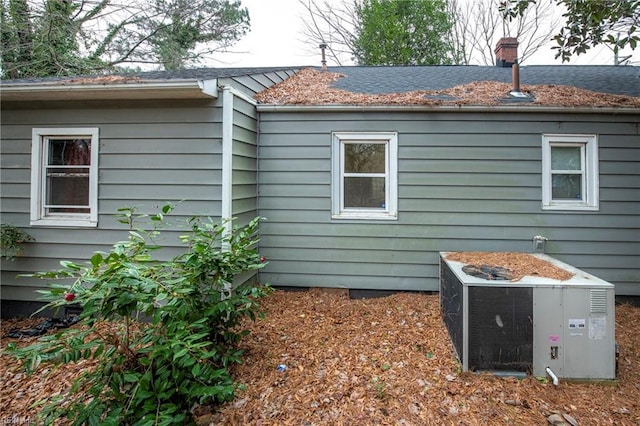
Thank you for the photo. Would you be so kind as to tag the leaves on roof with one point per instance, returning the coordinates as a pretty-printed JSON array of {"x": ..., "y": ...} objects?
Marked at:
[
  {"x": 312, "y": 87},
  {"x": 107, "y": 79}
]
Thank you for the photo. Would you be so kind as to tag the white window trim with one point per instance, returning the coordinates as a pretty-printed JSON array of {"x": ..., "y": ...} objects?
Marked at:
[
  {"x": 590, "y": 201},
  {"x": 38, "y": 217},
  {"x": 390, "y": 139}
]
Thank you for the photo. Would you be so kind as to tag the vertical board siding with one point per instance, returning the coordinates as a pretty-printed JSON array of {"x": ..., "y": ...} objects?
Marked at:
[
  {"x": 151, "y": 153},
  {"x": 467, "y": 182}
]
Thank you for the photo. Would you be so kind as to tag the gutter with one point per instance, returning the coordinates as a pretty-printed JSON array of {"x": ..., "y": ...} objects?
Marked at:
[
  {"x": 160, "y": 89},
  {"x": 443, "y": 108}
]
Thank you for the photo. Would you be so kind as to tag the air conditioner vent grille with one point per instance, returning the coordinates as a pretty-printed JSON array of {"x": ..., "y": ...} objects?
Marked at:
[
  {"x": 598, "y": 301},
  {"x": 452, "y": 305},
  {"x": 501, "y": 329}
]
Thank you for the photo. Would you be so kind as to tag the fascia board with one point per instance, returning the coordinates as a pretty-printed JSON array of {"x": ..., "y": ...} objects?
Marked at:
[
  {"x": 168, "y": 89},
  {"x": 444, "y": 108}
]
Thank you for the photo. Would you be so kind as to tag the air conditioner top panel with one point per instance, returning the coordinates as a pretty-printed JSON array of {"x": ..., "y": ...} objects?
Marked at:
[{"x": 579, "y": 279}]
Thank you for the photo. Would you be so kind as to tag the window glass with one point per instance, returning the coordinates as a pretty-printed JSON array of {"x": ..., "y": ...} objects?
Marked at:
[
  {"x": 566, "y": 158},
  {"x": 69, "y": 152},
  {"x": 67, "y": 171},
  {"x": 364, "y": 192},
  {"x": 566, "y": 187},
  {"x": 364, "y": 158},
  {"x": 566, "y": 172}
]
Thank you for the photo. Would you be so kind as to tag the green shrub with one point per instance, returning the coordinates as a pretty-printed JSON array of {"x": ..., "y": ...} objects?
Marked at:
[
  {"x": 11, "y": 240},
  {"x": 153, "y": 372}
]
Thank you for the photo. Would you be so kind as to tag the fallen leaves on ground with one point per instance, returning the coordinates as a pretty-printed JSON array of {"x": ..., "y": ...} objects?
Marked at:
[{"x": 386, "y": 361}]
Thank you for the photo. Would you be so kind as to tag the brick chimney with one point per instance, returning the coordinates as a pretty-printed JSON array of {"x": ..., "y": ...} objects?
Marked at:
[{"x": 506, "y": 52}]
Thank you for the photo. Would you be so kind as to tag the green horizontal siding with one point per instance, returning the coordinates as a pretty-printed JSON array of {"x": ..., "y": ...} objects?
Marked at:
[
  {"x": 244, "y": 191},
  {"x": 150, "y": 153},
  {"x": 467, "y": 182}
]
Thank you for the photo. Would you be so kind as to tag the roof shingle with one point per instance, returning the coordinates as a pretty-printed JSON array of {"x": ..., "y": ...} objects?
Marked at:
[
  {"x": 611, "y": 87},
  {"x": 184, "y": 74},
  {"x": 618, "y": 80}
]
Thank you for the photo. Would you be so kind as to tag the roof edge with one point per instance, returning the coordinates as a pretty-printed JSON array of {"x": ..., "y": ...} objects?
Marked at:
[
  {"x": 446, "y": 108},
  {"x": 165, "y": 89}
]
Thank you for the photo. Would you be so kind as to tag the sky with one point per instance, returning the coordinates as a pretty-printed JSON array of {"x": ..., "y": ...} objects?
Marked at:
[{"x": 276, "y": 39}]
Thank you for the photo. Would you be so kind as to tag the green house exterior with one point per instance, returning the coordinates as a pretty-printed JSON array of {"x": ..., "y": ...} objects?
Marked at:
[
  {"x": 188, "y": 138},
  {"x": 458, "y": 178},
  {"x": 468, "y": 180}
]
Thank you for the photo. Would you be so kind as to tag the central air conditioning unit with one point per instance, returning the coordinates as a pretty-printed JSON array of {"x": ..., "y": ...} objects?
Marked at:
[{"x": 532, "y": 324}]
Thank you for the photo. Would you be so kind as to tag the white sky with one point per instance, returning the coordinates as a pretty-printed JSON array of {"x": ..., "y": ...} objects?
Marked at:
[{"x": 275, "y": 39}]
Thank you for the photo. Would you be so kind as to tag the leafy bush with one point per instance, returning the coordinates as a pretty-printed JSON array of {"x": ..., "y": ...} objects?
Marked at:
[
  {"x": 11, "y": 241},
  {"x": 153, "y": 372}
]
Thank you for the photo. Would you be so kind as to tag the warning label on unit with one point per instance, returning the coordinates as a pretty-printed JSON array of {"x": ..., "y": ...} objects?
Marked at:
[
  {"x": 577, "y": 324},
  {"x": 597, "y": 327}
]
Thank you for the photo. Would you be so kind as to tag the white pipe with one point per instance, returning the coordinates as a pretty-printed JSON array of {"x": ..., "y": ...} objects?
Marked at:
[{"x": 553, "y": 376}]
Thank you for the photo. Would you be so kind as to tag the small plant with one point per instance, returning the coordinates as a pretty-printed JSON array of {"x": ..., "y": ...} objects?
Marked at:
[
  {"x": 380, "y": 387},
  {"x": 12, "y": 240},
  {"x": 152, "y": 372}
]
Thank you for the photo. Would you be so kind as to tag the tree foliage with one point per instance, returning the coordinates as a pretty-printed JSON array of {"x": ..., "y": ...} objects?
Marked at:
[
  {"x": 11, "y": 240},
  {"x": 72, "y": 37},
  {"x": 589, "y": 23},
  {"x": 332, "y": 24},
  {"x": 376, "y": 32},
  {"x": 479, "y": 25},
  {"x": 403, "y": 32}
]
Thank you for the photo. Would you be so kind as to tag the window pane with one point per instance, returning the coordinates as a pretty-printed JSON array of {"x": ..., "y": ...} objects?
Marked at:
[
  {"x": 566, "y": 158},
  {"x": 67, "y": 190},
  {"x": 69, "y": 152},
  {"x": 364, "y": 158},
  {"x": 566, "y": 187},
  {"x": 68, "y": 186},
  {"x": 366, "y": 192}
]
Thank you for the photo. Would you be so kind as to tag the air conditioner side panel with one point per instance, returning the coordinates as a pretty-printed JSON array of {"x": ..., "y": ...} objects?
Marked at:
[
  {"x": 548, "y": 331},
  {"x": 589, "y": 333},
  {"x": 580, "y": 323}
]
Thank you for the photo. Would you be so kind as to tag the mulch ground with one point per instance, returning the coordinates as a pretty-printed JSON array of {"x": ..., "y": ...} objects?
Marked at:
[{"x": 386, "y": 361}]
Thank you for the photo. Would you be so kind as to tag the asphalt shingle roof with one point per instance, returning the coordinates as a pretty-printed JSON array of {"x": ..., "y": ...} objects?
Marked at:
[
  {"x": 619, "y": 80},
  {"x": 205, "y": 73},
  {"x": 185, "y": 74}
]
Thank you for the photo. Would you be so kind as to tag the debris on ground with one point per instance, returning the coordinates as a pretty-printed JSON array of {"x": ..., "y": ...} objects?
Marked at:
[
  {"x": 43, "y": 327},
  {"x": 386, "y": 361}
]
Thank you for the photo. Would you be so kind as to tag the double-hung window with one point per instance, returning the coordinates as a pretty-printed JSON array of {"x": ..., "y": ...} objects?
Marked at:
[
  {"x": 364, "y": 175},
  {"x": 64, "y": 177},
  {"x": 569, "y": 172}
]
